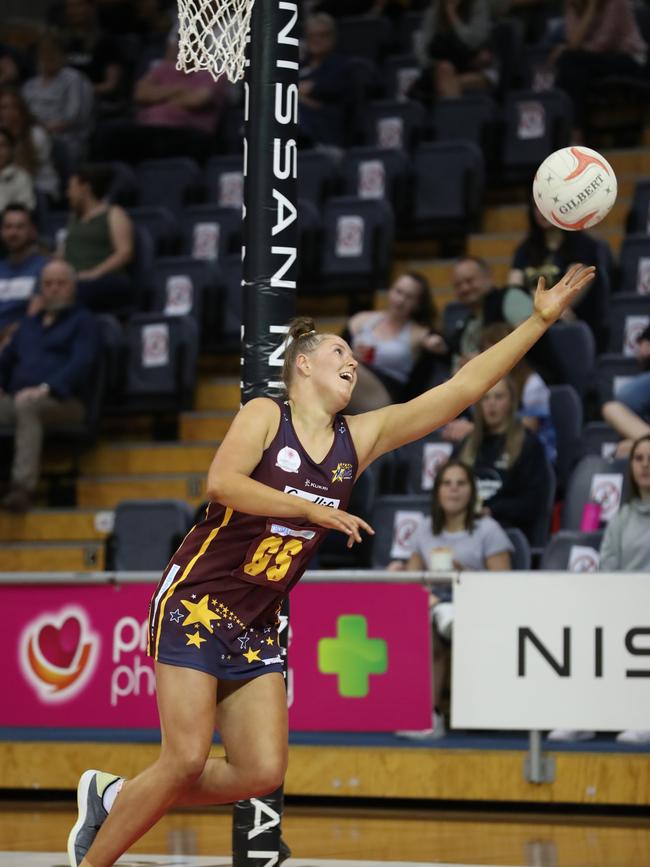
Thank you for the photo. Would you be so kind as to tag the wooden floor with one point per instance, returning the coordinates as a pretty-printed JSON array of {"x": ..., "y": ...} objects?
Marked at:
[{"x": 381, "y": 838}]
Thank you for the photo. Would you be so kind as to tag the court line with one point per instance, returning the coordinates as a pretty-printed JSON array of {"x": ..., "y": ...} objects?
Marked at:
[{"x": 59, "y": 859}]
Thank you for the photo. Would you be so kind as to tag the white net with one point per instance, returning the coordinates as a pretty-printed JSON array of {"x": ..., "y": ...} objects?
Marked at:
[{"x": 212, "y": 35}]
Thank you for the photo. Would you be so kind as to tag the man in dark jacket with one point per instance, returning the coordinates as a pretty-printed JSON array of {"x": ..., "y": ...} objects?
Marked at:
[{"x": 46, "y": 372}]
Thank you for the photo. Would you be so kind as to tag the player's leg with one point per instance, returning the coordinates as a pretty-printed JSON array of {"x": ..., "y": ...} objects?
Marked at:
[
  {"x": 252, "y": 721},
  {"x": 187, "y": 707}
]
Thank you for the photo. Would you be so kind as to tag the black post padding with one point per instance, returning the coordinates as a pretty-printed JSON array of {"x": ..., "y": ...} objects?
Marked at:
[{"x": 270, "y": 193}]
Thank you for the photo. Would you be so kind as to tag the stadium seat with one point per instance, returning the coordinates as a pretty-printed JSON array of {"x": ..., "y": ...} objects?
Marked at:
[
  {"x": 113, "y": 342},
  {"x": 508, "y": 46},
  {"x": 363, "y": 36},
  {"x": 535, "y": 124},
  {"x": 161, "y": 363},
  {"x": 449, "y": 178},
  {"x": 146, "y": 533},
  {"x": 629, "y": 317},
  {"x": 309, "y": 236},
  {"x": 473, "y": 117},
  {"x": 400, "y": 71},
  {"x": 53, "y": 227},
  {"x": 454, "y": 316},
  {"x": 161, "y": 224},
  {"x": 124, "y": 186},
  {"x": 566, "y": 415},
  {"x": 421, "y": 460},
  {"x": 521, "y": 557},
  {"x": 593, "y": 479},
  {"x": 358, "y": 243},
  {"x": 634, "y": 260},
  {"x": 572, "y": 551},
  {"x": 395, "y": 519},
  {"x": 598, "y": 438},
  {"x": 211, "y": 232},
  {"x": 399, "y": 124},
  {"x": 572, "y": 344},
  {"x": 410, "y": 30},
  {"x": 140, "y": 269},
  {"x": 170, "y": 182},
  {"x": 182, "y": 286},
  {"x": 639, "y": 216},
  {"x": 318, "y": 175},
  {"x": 224, "y": 181},
  {"x": 613, "y": 371},
  {"x": 378, "y": 173},
  {"x": 228, "y": 334}
]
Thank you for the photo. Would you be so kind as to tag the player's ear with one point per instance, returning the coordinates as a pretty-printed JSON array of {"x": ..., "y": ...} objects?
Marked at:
[{"x": 303, "y": 363}]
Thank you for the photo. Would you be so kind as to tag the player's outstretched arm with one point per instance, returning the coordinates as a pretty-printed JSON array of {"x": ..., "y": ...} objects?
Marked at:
[{"x": 385, "y": 429}]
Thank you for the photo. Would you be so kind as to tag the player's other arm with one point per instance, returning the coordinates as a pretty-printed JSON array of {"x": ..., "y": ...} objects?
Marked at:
[{"x": 385, "y": 429}]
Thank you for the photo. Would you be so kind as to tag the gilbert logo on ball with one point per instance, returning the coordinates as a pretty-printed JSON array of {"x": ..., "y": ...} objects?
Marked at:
[{"x": 575, "y": 188}]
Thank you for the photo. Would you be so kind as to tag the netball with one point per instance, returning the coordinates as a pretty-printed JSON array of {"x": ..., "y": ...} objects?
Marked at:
[{"x": 575, "y": 188}]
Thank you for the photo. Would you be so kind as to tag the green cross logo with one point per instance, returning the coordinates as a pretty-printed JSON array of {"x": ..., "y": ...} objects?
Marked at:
[{"x": 352, "y": 656}]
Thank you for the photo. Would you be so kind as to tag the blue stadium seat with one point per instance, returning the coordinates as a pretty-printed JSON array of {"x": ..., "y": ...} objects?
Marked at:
[
  {"x": 560, "y": 553},
  {"x": 639, "y": 217},
  {"x": 410, "y": 30},
  {"x": 170, "y": 182},
  {"x": 363, "y": 36},
  {"x": 140, "y": 268},
  {"x": 572, "y": 344},
  {"x": 536, "y": 123},
  {"x": 182, "y": 286},
  {"x": 395, "y": 519},
  {"x": 146, "y": 533},
  {"x": 161, "y": 224},
  {"x": 224, "y": 181},
  {"x": 113, "y": 341},
  {"x": 421, "y": 460},
  {"x": 521, "y": 556},
  {"x": 358, "y": 242},
  {"x": 566, "y": 415},
  {"x": 211, "y": 232},
  {"x": 582, "y": 488},
  {"x": 598, "y": 438},
  {"x": 124, "y": 185},
  {"x": 473, "y": 117},
  {"x": 309, "y": 236},
  {"x": 230, "y": 269},
  {"x": 378, "y": 173},
  {"x": 612, "y": 371},
  {"x": 318, "y": 175},
  {"x": 400, "y": 71},
  {"x": 449, "y": 178},
  {"x": 629, "y": 316},
  {"x": 399, "y": 124},
  {"x": 634, "y": 259}
]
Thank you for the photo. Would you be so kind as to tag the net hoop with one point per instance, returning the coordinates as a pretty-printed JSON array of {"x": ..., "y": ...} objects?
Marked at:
[{"x": 212, "y": 36}]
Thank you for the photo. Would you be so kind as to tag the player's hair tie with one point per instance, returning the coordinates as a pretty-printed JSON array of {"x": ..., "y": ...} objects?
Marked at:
[{"x": 308, "y": 333}]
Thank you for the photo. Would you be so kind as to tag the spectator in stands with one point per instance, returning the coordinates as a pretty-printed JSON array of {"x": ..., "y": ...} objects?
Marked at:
[
  {"x": 454, "y": 50},
  {"x": 454, "y": 537},
  {"x": 602, "y": 38},
  {"x": 547, "y": 252},
  {"x": 323, "y": 83},
  {"x": 45, "y": 371},
  {"x": 387, "y": 343},
  {"x": 61, "y": 99},
  {"x": 95, "y": 54},
  {"x": 20, "y": 269},
  {"x": 507, "y": 458},
  {"x": 629, "y": 412},
  {"x": 533, "y": 397},
  {"x": 33, "y": 145},
  {"x": 625, "y": 549},
  {"x": 99, "y": 242},
  {"x": 177, "y": 114},
  {"x": 16, "y": 186},
  {"x": 343, "y": 8}
]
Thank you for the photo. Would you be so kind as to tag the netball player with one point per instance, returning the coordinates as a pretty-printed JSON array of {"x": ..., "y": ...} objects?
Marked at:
[{"x": 281, "y": 478}]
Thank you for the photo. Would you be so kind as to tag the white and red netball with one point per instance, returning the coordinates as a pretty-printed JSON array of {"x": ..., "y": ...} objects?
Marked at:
[{"x": 575, "y": 188}]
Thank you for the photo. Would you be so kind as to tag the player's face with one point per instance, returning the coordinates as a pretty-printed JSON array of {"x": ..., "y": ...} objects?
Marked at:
[
  {"x": 641, "y": 467},
  {"x": 470, "y": 282},
  {"x": 404, "y": 296},
  {"x": 455, "y": 491},
  {"x": 335, "y": 368},
  {"x": 496, "y": 407}
]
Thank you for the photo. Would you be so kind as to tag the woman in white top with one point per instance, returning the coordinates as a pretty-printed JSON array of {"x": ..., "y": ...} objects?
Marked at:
[
  {"x": 387, "y": 343},
  {"x": 16, "y": 186},
  {"x": 455, "y": 538},
  {"x": 33, "y": 144}
]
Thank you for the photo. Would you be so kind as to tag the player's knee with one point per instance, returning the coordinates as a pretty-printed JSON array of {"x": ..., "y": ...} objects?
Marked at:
[
  {"x": 267, "y": 775},
  {"x": 186, "y": 766}
]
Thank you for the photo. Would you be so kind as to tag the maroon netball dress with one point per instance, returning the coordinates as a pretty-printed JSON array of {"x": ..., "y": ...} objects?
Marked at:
[{"x": 216, "y": 606}]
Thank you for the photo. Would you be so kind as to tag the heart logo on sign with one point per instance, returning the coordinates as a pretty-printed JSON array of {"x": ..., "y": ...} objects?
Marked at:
[{"x": 58, "y": 653}]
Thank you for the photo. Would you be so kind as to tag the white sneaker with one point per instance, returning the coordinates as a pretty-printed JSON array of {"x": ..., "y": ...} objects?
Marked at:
[
  {"x": 436, "y": 731},
  {"x": 630, "y": 736},
  {"x": 570, "y": 735}
]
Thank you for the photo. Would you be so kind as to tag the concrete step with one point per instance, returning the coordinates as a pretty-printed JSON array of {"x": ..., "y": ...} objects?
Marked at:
[
  {"x": 43, "y": 525},
  {"x": 503, "y": 244},
  {"x": 68, "y": 556},
  {"x": 629, "y": 162},
  {"x": 439, "y": 272},
  {"x": 147, "y": 458},
  {"x": 105, "y": 492},
  {"x": 204, "y": 427},
  {"x": 514, "y": 218},
  {"x": 222, "y": 394}
]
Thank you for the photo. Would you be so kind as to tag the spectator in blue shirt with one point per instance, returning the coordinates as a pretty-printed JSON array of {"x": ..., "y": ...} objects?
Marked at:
[
  {"x": 20, "y": 269},
  {"x": 46, "y": 373}
]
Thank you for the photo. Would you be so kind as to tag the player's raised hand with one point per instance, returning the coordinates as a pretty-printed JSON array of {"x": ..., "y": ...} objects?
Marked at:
[
  {"x": 336, "y": 519},
  {"x": 550, "y": 303}
]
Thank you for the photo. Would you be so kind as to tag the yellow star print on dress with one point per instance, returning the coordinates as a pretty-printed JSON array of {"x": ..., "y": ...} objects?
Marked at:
[
  {"x": 200, "y": 613},
  {"x": 194, "y": 638},
  {"x": 252, "y": 655}
]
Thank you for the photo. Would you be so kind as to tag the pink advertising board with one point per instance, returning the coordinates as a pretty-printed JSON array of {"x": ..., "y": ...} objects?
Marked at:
[{"x": 74, "y": 656}]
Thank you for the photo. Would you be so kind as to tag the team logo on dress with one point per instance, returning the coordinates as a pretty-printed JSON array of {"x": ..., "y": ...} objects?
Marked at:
[
  {"x": 288, "y": 460},
  {"x": 319, "y": 499},
  {"x": 58, "y": 653},
  {"x": 342, "y": 472}
]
